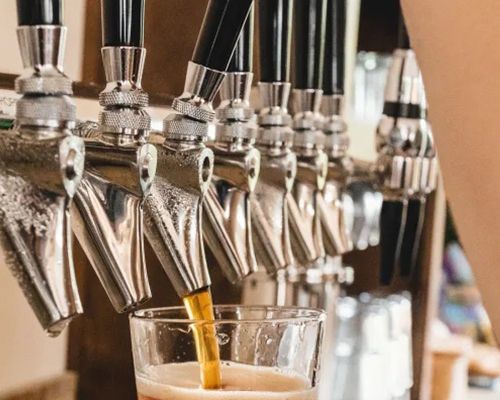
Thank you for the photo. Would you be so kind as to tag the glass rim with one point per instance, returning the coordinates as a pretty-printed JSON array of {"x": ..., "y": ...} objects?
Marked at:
[{"x": 302, "y": 314}]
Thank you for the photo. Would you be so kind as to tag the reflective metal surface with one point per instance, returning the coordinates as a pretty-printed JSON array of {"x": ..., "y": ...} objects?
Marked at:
[
  {"x": 173, "y": 212},
  {"x": 120, "y": 168},
  {"x": 227, "y": 224},
  {"x": 40, "y": 169}
]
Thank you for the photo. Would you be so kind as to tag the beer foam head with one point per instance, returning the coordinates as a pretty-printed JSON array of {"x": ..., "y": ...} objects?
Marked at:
[{"x": 240, "y": 382}]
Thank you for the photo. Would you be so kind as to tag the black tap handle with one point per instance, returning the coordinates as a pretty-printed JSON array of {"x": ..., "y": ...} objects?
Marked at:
[
  {"x": 410, "y": 247},
  {"x": 334, "y": 72},
  {"x": 275, "y": 36},
  {"x": 222, "y": 26},
  {"x": 403, "y": 37},
  {"x": 309, "y": 39},
  {"x": 39, "y": 12},
  {"x": 392, "y": 227},
  {"x": 242, "y": 60},
  {"x": 122, "y": 23}
]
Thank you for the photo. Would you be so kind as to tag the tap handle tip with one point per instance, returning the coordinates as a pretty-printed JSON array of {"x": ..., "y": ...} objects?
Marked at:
[
  {"x": 39, "y": 12},
  {"x": 275, "y": 33},
  {"x": 122, "y": 23},
  {"x": 334, "y": 71},
  {"x": 220, "y": 31},
  {"x": 242, "y": 60},
  {"x": 309, "y": 28}
]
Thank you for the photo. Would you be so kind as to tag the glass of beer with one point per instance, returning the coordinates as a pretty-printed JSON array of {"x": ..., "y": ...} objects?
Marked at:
[{"x": 262, "y": 352}]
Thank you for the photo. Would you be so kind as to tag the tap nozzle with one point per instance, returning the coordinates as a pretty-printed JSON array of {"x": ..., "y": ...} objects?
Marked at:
[
  {"x": 120, "y": 165},
  {"x": 40, "y": 170}
]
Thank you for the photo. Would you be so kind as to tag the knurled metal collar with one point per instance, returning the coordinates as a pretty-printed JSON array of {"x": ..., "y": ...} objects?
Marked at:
[
  {"x": 135, "y": 98},
  {"x": 308, "y": 138},
  {"x": 269, "y": 135},
  {"x": 234, "y": 113},
  {"x": 41, "y": 110},
  {"x": 125, "y": 119},
  {"x": 227, "y": 132},
  {"x": 275, "y": 119},
  {"x": 181, "y": 127},
  {"x": 192, "y": 110},
  {"x": 57, "y": 85}
]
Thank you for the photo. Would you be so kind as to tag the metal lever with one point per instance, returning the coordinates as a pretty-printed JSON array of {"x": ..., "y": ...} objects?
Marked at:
[
  {"x": 185, "y": 165},
  {"x": 40, "y": 170},
  {"x": 120, "y": 165}
]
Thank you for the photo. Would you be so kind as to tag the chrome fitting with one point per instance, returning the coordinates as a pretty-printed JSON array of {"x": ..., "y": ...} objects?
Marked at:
[
  {"x": 123, "y": 97},
  {"x": 274, "y": 100},
  {"x": 404, "y": 80},
  {"x": 306, "y": 104},
  {"x": 42, "y": 52},
  {"x": 336, "y": 139},
  {"x": 201, "y": 86},
  {"x": 236, "y": 117},
  {"x": 45, "y": 88}
]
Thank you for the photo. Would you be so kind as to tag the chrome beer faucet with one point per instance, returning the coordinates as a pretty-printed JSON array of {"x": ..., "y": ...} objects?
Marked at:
[
  {"x": 312, "y": 162},
  {"x": 120, "y": 164},
  {"x": 227, "y": 224},
  {"x": 407, "y": 165},
  {"x": 340, "y": 165},
  {"x": 269, "y": 208},
  {"x": 185, "y": 164},
  {"x": 41, "y": 165}
]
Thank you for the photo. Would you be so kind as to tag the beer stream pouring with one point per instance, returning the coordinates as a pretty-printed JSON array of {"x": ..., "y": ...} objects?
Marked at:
[
  {"x": 120, "y": 164},
  {"x": 227, "y": 223},
  {"x": 312, "y": 162},
  {"x": 407, "y": 163},
  {"x": 269, "y": 208},
  {"x": 185, "y": 164},
  {"x": 40, "y": 170}
]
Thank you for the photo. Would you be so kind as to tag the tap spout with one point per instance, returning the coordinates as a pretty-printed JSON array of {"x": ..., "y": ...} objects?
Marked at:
[
  {"x": 40, "y": 170},
  {"x": 120, "y": 166}
]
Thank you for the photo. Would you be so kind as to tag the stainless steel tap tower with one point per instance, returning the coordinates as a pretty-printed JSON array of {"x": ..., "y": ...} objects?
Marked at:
[
  {"x": 40, "y": 170},
  {"x": 120, "y": 164}
]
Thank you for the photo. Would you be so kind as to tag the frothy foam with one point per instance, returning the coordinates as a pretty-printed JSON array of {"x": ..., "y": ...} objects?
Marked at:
[{"x": 240, "y": 382}]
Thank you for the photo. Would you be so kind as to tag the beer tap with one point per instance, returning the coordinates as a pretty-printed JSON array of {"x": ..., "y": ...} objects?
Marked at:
[
  {"x": 227, "y": 216},
  {"x": 407, "y": 163},
  {"x": 312, "y": 162},
  {"x": 120, "y": 164},
  {"x": 41, "y": 165},
  {"x": 185, "y": 164},
  {"x": 269, "y": 208},
  {"x": 340, "y": 165}
]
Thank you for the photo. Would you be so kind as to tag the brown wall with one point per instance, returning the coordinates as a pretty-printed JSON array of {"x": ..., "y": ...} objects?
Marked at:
[{"x": 170, "y": 34}]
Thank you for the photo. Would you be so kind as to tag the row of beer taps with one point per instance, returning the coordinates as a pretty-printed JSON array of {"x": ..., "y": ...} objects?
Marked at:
[{"x": 264, "y": 191}]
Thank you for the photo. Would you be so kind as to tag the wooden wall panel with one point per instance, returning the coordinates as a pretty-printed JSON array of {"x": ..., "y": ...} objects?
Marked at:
[{"x": 170, "y": 34}]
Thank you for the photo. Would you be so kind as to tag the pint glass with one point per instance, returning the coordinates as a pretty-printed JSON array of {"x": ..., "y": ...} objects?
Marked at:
[{"x": 265, "y": 353}]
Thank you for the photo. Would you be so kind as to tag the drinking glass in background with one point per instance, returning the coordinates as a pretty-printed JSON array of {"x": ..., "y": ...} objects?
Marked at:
[
  {"x": 373, "y": 349},
  {"x": 265, "y": 352}
]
